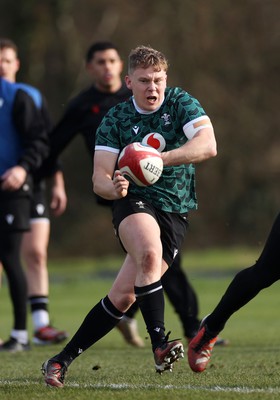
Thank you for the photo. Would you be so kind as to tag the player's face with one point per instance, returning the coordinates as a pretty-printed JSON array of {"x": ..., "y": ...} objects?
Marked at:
[
  {"x": 9, "y": 64},
  {"x": 148, "y": 87},
  {"x": 105, "y": 69}
]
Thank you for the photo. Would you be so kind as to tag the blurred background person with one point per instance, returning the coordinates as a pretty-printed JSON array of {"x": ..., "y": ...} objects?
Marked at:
[
  {"x": 35, "y": 241},
  {"x": 23, "y": 145}
]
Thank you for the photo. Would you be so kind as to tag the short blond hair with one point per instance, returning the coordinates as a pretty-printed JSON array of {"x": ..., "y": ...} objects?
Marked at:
[{"x": 145, "y": 57}]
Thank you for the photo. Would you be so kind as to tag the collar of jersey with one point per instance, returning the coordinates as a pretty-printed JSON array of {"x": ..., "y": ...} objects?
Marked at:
[{"x": 138, "y": 109}]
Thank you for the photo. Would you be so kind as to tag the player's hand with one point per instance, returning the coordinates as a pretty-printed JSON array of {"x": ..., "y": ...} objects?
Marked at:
[
  {"x": 121, "y": 184},
  {"x": 13, "y": 178},
  {"x": 58, "y": 201}
]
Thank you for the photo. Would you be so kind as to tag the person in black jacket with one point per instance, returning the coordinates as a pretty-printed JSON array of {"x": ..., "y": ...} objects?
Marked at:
[{"x": 23, "y": 146}]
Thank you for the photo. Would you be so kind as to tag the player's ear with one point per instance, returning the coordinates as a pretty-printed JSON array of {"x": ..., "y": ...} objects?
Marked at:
[
  {"x": 87, "y": 66},
  {"x": 128, "y": 82}
]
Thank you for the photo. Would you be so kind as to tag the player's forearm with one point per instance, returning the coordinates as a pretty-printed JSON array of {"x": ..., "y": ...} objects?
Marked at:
[
  {"x": 200, "y": 148},
  {"x": 103, "y": 185},
  {"x": 110, "y": 189}
]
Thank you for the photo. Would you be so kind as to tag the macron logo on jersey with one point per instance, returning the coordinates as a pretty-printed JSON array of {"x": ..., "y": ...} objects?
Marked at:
[{"x": 135, "y": 129}]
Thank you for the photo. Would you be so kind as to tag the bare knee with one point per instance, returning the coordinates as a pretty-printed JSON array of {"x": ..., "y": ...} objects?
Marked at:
[
  {"x": 150, "y": 262},
  {"x": 35, "y": 257}
]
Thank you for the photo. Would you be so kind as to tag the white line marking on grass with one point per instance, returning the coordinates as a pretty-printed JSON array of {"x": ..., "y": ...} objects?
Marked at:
[
  {"x": 124, "y": 386},
  {"x": 185, "y": 387}
]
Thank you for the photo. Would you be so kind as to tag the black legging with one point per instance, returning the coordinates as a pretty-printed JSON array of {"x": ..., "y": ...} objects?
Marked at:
[
  {"x": 10, "y": 244},
  {"x": 250, "y": 281}
]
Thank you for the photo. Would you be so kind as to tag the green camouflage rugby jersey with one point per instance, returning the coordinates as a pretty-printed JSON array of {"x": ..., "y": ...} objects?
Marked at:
[{"x": 175, "y": 190}]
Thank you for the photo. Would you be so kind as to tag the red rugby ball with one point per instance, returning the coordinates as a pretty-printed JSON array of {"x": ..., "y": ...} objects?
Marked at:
[{"x": 140, "y": 164}]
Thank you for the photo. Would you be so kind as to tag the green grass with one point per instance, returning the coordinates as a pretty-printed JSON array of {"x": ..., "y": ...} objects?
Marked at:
[
  {"x": 247, "y": 369},
  {"x": 214, "y": 260}
]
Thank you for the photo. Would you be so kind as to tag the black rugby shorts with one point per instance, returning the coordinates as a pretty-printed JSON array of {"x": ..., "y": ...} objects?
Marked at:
[
  {"x": 15, "y": 209},
  {"x": 173, "y": 226}
]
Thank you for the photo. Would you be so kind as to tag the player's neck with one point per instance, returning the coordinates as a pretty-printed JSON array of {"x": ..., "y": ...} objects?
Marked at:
[{"x": 110, "y": 88}]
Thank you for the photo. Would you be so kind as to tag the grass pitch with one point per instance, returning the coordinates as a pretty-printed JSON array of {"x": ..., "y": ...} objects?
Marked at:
[{"x": 247, "y": 369}]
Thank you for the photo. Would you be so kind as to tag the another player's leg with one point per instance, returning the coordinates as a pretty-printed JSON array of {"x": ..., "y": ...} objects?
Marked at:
[
  {"x": 34, "y": 251},
  {"x": 184, "y": 300},
  {"x": 243, "y": 288},
  {"x": 201, "y": 346},
  {"x": 10, "y": 257},
  {"x": 128, "y": 327}
]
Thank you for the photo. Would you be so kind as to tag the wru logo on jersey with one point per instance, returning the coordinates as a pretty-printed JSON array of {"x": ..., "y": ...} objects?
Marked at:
[
  {"x": 166, "y": 119},
  {"x": 140, "y": 204}
]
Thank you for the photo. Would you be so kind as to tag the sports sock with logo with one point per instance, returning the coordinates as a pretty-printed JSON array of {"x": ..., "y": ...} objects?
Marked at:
[
  {"x": 151, "y": 302},
  {"x": 102, "y": 318}
]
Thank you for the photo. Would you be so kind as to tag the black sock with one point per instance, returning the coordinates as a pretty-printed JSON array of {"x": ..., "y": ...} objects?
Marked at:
[
  {"x": 38, "y": 303},
  {"x": 102, "y": 318},
  {"x": 150, "y": 299}
]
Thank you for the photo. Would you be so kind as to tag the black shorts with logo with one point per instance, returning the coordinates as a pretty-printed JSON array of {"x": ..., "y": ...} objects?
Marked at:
[
  {"x": 39, "y": 204},
  {"x": 15, "y": 208},
  {"x": 173, "y": 226}
]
